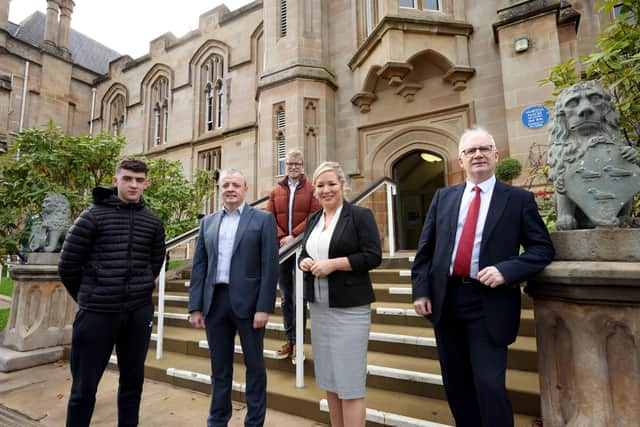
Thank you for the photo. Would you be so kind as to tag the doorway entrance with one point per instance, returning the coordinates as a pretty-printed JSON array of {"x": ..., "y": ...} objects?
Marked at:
[{"x": 418, "y": 175}]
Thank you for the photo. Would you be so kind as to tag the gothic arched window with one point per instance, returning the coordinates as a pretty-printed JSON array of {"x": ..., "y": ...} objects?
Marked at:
[
  {"x": 159, "y": 111},
  {"x": 212, "y": 74},
  {"x": 117, "y": 114}
]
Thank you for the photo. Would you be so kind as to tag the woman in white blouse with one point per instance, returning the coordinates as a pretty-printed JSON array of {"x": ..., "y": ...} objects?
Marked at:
[{"x": 341, "y": 244}]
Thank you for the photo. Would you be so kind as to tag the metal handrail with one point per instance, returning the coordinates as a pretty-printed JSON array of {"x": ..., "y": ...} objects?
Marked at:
[{"x": 292, "y": 248}]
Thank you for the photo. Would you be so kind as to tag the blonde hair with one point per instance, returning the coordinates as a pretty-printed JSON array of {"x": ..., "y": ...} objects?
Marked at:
[
  {"x": 330, "y": 167},
  {"x": 295, "y": 154}
]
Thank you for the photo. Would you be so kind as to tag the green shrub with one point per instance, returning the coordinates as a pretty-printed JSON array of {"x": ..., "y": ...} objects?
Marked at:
[
  {"x": 508, "y": 169},
  {"x": 4, "y": 317},
  {"x": 6, "y": 286}
]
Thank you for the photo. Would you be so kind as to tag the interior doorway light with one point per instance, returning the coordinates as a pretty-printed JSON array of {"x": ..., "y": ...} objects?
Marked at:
[{"x": 430, "y": 158}]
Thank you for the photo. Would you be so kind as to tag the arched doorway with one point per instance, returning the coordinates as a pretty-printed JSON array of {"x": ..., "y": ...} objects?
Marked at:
[{"x": 418, "y": 175}]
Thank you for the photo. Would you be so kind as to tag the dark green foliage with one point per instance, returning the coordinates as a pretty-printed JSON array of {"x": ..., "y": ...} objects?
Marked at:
[
  {"x": 508, "y": 169},
  {"x": 616, "y": 63},
  {"x": 42, "y": 161}
]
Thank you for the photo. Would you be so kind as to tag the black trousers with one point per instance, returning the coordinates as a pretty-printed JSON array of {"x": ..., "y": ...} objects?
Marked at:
[
  {"x": 93, "y": 338},
  {"x": 473, "y": 367},
  {"x": 287, "y": 291},
  {"x": 221, "y": 327}
]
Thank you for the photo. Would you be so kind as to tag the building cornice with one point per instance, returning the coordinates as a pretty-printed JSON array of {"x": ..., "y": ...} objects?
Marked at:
[
  {"x": 427, "y": 25},
  {"x": 520, "y": 11},
  {"x": 296, "y": 72}
]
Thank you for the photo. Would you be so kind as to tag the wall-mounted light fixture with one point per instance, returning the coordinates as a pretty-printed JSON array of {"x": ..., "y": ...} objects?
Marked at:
[
  {"x": 521, "y": 44},
  {"x": 430, "y": 158}
]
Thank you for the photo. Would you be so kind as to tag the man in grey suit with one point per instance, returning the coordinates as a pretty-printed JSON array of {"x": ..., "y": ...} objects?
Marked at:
[{"x": 233, "y": 288}]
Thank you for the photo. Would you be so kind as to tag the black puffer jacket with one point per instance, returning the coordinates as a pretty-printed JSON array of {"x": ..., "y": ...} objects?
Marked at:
[{"x": 112, "y": 254}]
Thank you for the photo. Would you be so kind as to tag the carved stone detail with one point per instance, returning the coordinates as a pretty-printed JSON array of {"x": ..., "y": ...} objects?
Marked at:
[
  {"x": 364, "y": 100},
  {"x": 587, "y": 331},
  {"x": 49, "y": 227},
  {"x": 408, "y": 91},
  {"x": 458, "y": 77},
  {"x": 42, "y": 311},
  {"x": 594, "y": 172},
  {"x": 395, "y": 72}
]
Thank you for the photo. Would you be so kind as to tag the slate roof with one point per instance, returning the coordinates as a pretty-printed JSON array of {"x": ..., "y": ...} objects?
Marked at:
[{"x": 85, "y": 51}]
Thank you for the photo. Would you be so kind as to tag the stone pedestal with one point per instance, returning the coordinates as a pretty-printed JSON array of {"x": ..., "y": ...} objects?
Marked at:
[
  {"x": 42, "y": 311},
  {"x": 587, "y": 311}
]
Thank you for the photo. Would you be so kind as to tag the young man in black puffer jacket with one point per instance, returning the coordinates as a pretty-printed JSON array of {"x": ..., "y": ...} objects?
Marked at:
[{"x": 109, "y": 262}]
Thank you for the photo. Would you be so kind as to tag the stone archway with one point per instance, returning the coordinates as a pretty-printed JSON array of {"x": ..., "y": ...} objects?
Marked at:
[
  {"x": 418, "y": 175},
  {"x": 397, "y": 156}
]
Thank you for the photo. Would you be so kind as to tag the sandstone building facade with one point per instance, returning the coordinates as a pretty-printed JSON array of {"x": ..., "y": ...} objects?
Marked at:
[{"x": 385, "y": 87}]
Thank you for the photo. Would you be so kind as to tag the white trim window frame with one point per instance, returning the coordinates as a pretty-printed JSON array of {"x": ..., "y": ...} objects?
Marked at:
[{"x": 421, "y": 5}]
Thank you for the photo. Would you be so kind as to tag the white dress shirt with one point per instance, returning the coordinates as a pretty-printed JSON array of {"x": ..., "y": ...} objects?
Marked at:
[
  {"x": 486, "y": 191},
  {"x": 226, "y": 236}
]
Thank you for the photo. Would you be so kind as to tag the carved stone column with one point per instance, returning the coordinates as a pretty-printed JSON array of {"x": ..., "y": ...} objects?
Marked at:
[
  {"x": 42, "y": 311},
  {"x": 51, "y": 23},
  {"x": 66, "y": 8},
  {"x": 4, "y": 15},
  {"x": 587, "y": 311}
]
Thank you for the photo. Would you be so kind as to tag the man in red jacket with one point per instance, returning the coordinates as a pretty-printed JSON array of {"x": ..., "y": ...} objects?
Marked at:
[{"x": 291, "y": 202}]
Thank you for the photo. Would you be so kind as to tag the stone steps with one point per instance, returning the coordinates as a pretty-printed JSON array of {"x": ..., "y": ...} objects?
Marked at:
[
  {"x": 413, "y": 410},
  {"x": 396, "y": 372},
  {"x": 404, "y": 386}
]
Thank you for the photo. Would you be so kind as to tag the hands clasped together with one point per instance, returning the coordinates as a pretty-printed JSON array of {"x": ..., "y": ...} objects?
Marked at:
[{"x": 320, "y": 268}]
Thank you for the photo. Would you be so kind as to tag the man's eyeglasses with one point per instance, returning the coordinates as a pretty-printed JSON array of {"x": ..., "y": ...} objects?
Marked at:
[
  {"x": 293, "y": 164},
  {"x": 483, "y": 149}
]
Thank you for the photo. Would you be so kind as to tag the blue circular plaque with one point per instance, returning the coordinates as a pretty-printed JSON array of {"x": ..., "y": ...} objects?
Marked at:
[{"x": 535, "y": 117}]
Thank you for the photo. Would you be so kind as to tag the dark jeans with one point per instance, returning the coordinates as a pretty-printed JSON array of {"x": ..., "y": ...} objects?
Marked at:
[
  {"x": 287, "y": 291},
  {"x": 473, "y": 367},
  {"x": 94, "y": 335}
]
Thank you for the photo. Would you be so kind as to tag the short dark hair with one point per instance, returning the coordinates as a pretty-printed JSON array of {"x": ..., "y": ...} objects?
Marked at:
[{"x": 132, "y": 164}]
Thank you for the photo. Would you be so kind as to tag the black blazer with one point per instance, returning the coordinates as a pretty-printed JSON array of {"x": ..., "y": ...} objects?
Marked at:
[
  {"x": 356, "y": 237},
  {"x": 512, "y": 221}
]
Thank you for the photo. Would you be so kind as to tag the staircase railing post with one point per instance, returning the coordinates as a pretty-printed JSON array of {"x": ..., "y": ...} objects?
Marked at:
[
  {"x": 160, "y": 330},
  {"x": 299, "y": 322},
  {"x": 391, "y": 191}
]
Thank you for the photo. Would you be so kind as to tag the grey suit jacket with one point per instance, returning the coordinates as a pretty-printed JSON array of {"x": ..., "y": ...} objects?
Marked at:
[{"x": 254, "y": 264}]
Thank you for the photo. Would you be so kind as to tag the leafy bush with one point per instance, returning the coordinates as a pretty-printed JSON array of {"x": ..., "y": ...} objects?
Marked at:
[
  {"x": 508, "y": 169},
  {"x": 42, "y": 161}
]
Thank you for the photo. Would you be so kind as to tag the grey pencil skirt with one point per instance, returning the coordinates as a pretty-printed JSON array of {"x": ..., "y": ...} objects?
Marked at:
[{"x": 339, "y": 338}]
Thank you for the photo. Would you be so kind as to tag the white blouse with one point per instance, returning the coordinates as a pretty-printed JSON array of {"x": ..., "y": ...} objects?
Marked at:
[{"x": 318, "y": 249}]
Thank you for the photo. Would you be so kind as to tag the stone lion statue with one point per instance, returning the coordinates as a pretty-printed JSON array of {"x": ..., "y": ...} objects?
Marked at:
[
  {"x": 588, "y": 156},
  {"x": 50, "y": 226}
]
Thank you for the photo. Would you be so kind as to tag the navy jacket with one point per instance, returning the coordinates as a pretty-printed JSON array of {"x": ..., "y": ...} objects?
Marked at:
[
  {"x": 254, "y": 264},
  {"x": 512, "y": 221}
]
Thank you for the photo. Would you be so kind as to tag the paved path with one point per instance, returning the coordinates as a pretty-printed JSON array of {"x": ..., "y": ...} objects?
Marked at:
[{"x": 41, "y": 394}]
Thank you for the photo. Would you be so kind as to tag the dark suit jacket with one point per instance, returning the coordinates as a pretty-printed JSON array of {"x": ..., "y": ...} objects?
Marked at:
[
  {"x": 356, "y": 237},
  {"x": 512, "y": 221},
  {"x": 254, "y": 264}
]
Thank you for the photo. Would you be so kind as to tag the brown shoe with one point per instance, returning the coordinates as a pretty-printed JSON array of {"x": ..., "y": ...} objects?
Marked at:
[{"x": 286, "y": 349}]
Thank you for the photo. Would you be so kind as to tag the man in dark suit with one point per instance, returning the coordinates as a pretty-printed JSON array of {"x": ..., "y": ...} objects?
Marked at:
[
  {"x": 233, "y": 288},
  {"x": 466, "y": 279}
]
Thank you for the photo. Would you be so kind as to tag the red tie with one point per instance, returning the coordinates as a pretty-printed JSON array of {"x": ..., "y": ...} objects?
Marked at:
[{"x": 462, "y": 263}]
